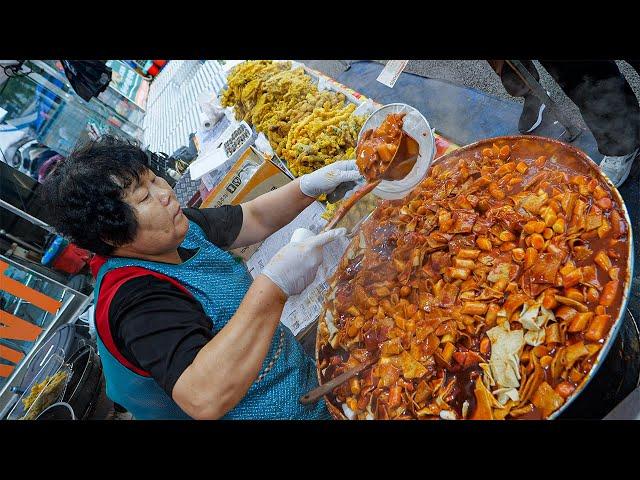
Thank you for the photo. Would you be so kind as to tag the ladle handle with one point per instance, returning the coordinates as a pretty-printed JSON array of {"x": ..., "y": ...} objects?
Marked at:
[
  {"x": 340, "y": 191},
  {"x": 350, "y": 202}
]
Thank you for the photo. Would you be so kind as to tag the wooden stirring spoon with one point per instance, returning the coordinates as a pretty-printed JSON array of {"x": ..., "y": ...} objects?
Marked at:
[{"x": 317, "y": 393}]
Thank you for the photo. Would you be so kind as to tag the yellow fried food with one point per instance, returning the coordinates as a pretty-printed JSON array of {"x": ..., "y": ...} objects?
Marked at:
[
  {"x": 43, "y": 394},
  {"x": 306, "y": 127},
  {"x": 330, "y": 209}
]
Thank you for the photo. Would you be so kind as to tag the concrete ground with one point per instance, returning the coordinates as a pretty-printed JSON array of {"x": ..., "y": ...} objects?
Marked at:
[{"x": 479, "y": 75}]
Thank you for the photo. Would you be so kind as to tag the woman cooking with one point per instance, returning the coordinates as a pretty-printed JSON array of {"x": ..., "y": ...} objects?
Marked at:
[{"x": 183, "y": 331}]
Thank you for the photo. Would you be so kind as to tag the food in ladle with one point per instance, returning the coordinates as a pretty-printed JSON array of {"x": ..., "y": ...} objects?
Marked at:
[{"x": 378, "y": 147}]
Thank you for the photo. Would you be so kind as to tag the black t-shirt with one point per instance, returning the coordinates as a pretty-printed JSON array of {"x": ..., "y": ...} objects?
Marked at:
[{"x": 157, "y": 327}]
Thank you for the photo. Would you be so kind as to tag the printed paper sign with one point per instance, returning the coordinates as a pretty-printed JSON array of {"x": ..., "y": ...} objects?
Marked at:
[
  {"x": 391, "y": 72},
  {"x": 302, "y": 310},
  {"x": 207, "y": 162}
]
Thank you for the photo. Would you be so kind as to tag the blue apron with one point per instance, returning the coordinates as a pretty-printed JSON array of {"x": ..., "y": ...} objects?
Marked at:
[{"x": 219, "y": 282}]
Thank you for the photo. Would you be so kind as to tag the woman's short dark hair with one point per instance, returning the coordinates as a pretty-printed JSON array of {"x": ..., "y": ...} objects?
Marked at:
[{"x": 85, "y": 194}]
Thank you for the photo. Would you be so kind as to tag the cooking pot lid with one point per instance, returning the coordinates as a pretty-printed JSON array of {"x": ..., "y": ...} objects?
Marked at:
[
  {"x": 60, "y": 342},
  {"x": 57, "y": 411}
]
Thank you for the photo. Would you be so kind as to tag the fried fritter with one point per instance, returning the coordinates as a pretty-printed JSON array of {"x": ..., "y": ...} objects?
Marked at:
[
  {"x": 43, "y": 394},
  {"x": 306, "y": 127}
]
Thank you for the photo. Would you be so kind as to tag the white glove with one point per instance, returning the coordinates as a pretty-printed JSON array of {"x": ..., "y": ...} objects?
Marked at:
[
  {"x": 295, "y": 265},
  {"x": 326, "y": 179}
]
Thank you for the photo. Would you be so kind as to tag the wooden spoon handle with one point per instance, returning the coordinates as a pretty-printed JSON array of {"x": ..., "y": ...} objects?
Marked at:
[
  {"x": 350, "y": 202},
  {"x": 317, "y": 393}
]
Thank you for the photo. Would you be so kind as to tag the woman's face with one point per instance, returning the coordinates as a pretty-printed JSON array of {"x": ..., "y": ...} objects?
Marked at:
[{"x": 161, "y": 224}]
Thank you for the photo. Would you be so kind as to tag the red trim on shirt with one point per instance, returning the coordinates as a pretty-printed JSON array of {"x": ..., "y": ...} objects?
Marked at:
[
  {"x": 111, "y": 282},
  {"x": 96, "y": 263}
]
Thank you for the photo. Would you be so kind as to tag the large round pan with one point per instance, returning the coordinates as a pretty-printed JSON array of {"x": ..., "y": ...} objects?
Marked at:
[{"x": 591, "y": 169}]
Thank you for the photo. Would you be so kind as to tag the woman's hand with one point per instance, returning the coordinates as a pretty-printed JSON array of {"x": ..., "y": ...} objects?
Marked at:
[
  {"x": 295, "y": 265},
  {"x": 326, "y": 179}
]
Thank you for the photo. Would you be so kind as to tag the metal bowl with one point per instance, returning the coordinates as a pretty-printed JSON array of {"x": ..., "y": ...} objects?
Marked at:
[
  {"x": 593, "y": 170},
  {"x": 418, "y": 127}
]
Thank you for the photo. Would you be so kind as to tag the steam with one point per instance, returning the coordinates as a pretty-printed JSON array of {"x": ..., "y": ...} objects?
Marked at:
[{"x": 611, "y": 111}]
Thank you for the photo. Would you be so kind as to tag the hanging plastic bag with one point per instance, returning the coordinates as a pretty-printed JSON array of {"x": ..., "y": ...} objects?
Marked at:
[{"x": 88, "y": 78}]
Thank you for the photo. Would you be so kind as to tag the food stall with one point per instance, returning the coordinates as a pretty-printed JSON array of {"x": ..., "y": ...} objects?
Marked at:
[
  {"x": 484, "y": 317},
  {"x": 497, "y": 285}
]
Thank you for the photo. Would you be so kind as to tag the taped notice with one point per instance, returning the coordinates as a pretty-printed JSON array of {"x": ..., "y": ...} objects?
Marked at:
[
  {"x": 301, "y": 310},
  {"x": 206, "y": 162},
  {"x": 391, "y": 72}
]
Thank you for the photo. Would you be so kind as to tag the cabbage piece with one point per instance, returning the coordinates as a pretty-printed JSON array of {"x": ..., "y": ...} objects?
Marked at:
[
  {"x": 487, "y": 378},
  {"x": 448, "y": 415},
  {"x": 350, "y": 414},
  {"x": 503, "y": 395},
  {"x": 534, "y": 318},
  {"x": 331, "y": 327},
  {"x": 529, "y": 316},
  {"x": 505, "y": 355},
  {"x": 465, "y": 409},
  {"x": 534, "y": 337}
]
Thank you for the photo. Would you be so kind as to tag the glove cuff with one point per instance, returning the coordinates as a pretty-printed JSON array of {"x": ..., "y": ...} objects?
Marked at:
[
  {"x": 307, "y": 189},
  {"x": 275, "y": 279}
]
